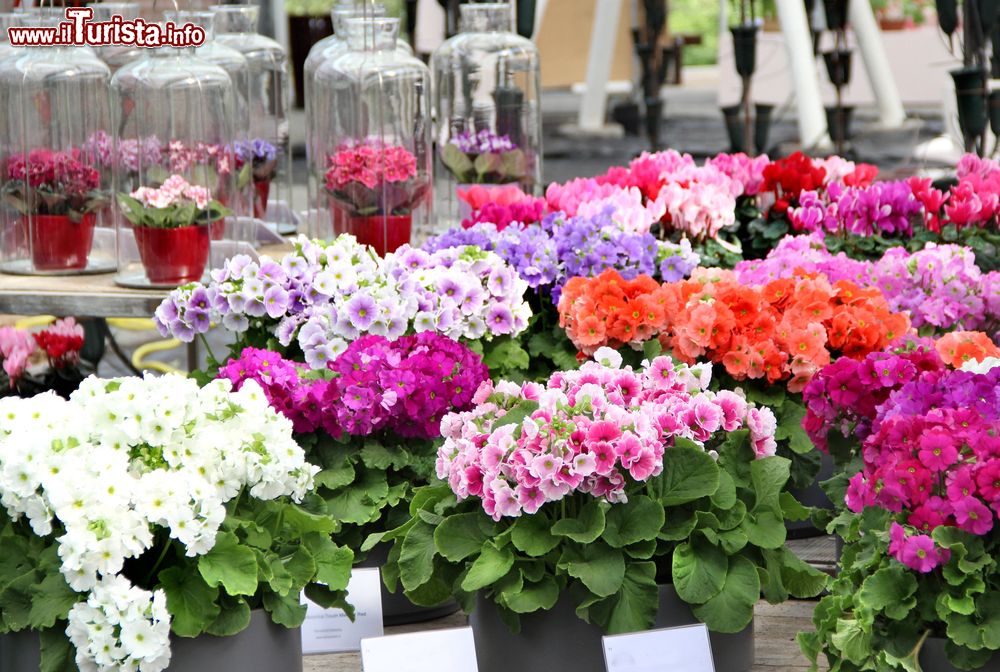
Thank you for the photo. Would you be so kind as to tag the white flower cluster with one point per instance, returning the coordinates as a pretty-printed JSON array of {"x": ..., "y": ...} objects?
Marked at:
[
  {"x": 124, "y": 456},
  {"x": 984, "y": 366},
  {"x": 120, "y": 627}
]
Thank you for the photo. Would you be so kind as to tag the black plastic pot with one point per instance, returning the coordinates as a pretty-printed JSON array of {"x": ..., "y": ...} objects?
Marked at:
[
  {"x": 838, "y": 66},
  {"x": 812, "y": 496},
  {"x": 838, "y": 121},
  {"x": 934, "y": 659},
  {"x": 947, "y": 12},
  {"x": 396, "y": 607},
  {"x": 970, "y": 92},
  {"x": 557, "y": 640},
  {"x": 836, "y": 14},
  {"x": 995, "y": 112},
  {"x": 303, "y": 33},
  {"x": 745, "y": 49},
  {"x": 762, "y": 126},
  {"x": 733, "y": 116}
]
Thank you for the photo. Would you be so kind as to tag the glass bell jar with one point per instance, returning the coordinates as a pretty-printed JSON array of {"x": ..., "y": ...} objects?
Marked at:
[
  {"x": 372, "y": 129},
  {"x": 117, "y": 55},
  {"x": 487, "y": 101},
  {"x": 8, "y": 20},
  {"x": 265, "y": 155},
  {"x": 174, "y": 168},
  {"x": 57, "y": 214}
]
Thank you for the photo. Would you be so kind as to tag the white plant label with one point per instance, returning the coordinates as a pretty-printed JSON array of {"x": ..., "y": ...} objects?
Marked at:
[
  {"x": 429, "y": 651},
  {"x": 331, "y": 631},
  {"x": 683, "y": 649}
]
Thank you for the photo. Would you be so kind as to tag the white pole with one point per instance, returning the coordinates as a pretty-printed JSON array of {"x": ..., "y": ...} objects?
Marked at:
[
  {"x": 890, "y": 106},
  {"x": 594, "y": 106},
  {"x": 812, "y": 118}
]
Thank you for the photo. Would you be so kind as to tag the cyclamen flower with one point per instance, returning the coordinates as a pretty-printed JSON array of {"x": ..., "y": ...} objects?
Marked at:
[{"x": 595, "y": 431}]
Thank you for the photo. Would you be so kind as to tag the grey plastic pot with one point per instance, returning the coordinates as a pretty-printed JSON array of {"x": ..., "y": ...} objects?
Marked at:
[
  {"x": 934, "y": 659},
  {"x": 558, "y": 640},
  {"x": 812, "y": 496},
  {"x": 396, "y": 607},
  {"x": 264, "y": 645}
]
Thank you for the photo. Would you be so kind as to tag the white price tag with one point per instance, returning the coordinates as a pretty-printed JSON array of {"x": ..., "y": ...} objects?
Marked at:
[
  {"x": 331, "y": 631},
  {"x": 428, "y": 651},
  {"x": 683, "y": 649}
]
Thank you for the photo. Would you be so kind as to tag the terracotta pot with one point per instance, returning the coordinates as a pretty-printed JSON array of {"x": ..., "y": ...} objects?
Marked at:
[
  {"x": 262, "y": 191},
  {"x": 173, "y": 256},
  {"x": 396, "y": 608},
  {"x": 558, "y": 640},
  {"x": 262, "y": 646},
  {"x": 58, "y": 243},
  {"x": 386, "y": 233}
]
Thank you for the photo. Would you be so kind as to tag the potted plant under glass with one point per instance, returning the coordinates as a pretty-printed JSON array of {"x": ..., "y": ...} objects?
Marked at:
[
  {"x": 173, "y": 227},
  {"x": 19, "y": 350},
  {"x": 373, "y": 189},
  {"x": 57, "y": 195},
  {"x": 610, "y": 500},
  {"x": 918, "y": 583},
  {"x": 149, "y": 523},
  {"x": 257, "y": 162}
]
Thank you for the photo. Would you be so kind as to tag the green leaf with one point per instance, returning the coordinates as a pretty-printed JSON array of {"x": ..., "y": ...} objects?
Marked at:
[
  {"x": 532, "y": 535},
  {"x": 190, "y": 601},
  {"x": 491, "y": 566},
  {"x": 333, "y": 562},
  {"x": 639, "y": 519},
  {"x": 769, "y": 476},
  {"x": 306, "y": 521},
  {"x": 53, "y": 598},
  {"x": 852, "y": 641},
  {"x": 506, "y": 355},
  {"x": 792, "y": 508},
  {"x": 699, "y": 570},
  {"x": 586, "y": 527},
  {"x": 416, "y": 557},
  {"x": 361, "y": 502},
  {"x": 230, "y": 565},
  {"x": 233, "y": 618},
  {"x": 58, "y": 654},
  {"x": 516, "y": 415},
  {"x": 890, "y": 590},
  {"x": 456, "y": 161},
  {"x": 459, "y": 536},
  {"x": 765, "y": 529},
  {"x": 678, "y": 525},
  {"x": 300, "y": 567},
  {"x": 335, "y": 478},
  {"x": 652, "y": 349},
  {"x": 287, "y": 611},
  {"x": 633, "y": 608},
  {"x": 600, "y": 568},
  {"x": 731, "y": 609},
  {"x": 534, "y": 596},
  {"x": 725, "y": 496},
  {"x": 790, "y": 429},
  {"x": 688, "y": 474}
]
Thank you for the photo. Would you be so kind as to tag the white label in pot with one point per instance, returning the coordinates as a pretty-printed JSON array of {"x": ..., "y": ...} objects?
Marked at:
[
  {"x": 430, "y": 651},
  {"x": 683, "y": 649},
  {"x": 331, "y": 631}
]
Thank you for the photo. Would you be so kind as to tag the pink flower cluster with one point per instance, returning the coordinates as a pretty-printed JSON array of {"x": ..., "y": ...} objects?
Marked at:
[
  {"x": 175, "y": 190},
  {"x": 305, "y": 402},
  {"x": 974, "y": 201},
  {"x": 61, "y": 343},
  {"x": 370, "y": 163},
  {"x": 592, "y": 431},
  {"x": 63, "y": 172},
  {"x": 180, "y": 156},
  {"x": 747, "y": 171},
  {"x": 933, "y": 457},
  {"x": 500, "y": 205},
  {"x": 16, "y": 347}
]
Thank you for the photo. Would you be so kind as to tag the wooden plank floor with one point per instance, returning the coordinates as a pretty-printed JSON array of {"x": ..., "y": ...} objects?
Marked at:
[{"x": 775, "y": 625}]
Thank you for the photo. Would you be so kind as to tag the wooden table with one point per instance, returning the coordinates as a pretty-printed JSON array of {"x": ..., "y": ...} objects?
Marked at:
[{"x": 84, "y": 295}]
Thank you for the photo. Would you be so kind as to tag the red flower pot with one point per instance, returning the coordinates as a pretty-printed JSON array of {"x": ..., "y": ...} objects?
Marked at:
[
  {"x": 385, "y": 233},
  {"x": 59, "y": 244},
  {"x": 218, "y": 229},
  {"x": 262, "y": 190},
  {"x": 173, "y": 256}
]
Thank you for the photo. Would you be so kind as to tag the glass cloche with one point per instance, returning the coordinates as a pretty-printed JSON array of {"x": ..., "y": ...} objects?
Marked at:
[
  {"x": 8, "y": 20},
  {"x": 56, "y": 217},
  {"x": 174, "y": 167},
  {"x": 486, "y": 95},
  {"x": 267, "y": 150},
  {"x": 117, "y": 55},
  {"x": 371, "y": 123}
]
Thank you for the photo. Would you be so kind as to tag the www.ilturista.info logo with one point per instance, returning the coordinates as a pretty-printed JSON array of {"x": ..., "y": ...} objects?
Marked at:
[{"x": 79, "y": 30}]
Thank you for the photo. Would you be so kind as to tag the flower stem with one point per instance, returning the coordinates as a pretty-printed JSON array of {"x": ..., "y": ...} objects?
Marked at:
[
  {"x": 159, "y": 561},
  {"x": 208, "y": 348}
]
